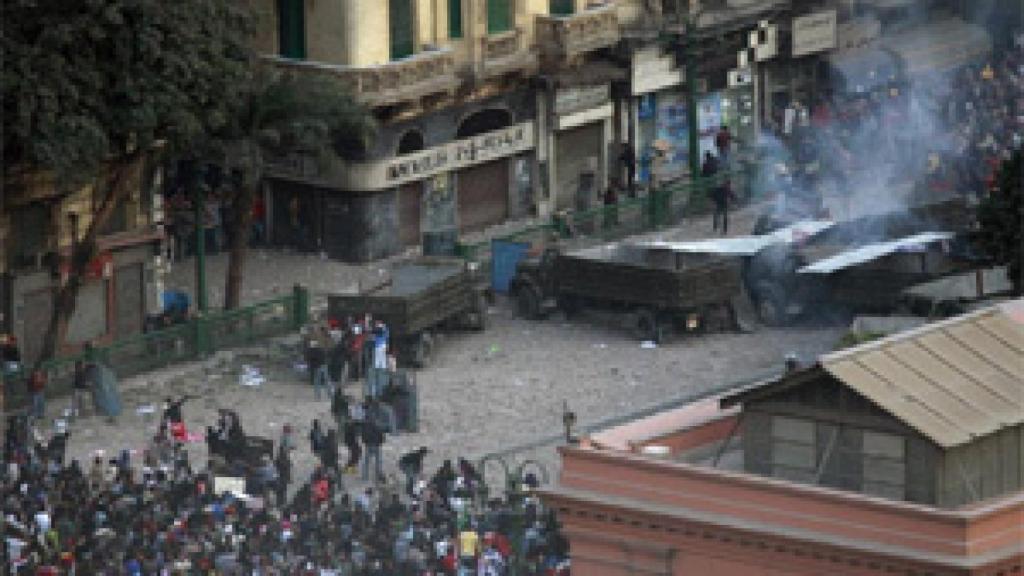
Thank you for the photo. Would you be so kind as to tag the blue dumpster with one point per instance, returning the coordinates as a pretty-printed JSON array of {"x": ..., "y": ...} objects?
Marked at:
[{"x": 505, "y": 256}]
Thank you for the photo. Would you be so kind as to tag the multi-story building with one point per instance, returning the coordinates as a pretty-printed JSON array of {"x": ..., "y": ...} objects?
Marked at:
[
  {"x": 39, "y": 224},
  {"x": 468, "y": 135},
  {"x": 900, "y": 456}
]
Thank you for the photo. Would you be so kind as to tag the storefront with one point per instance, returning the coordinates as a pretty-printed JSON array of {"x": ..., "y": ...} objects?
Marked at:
[
  {"x": 582, "y": 134},
  {"x": 659, "y": 121},
  {"x": 370, "y": 210}
]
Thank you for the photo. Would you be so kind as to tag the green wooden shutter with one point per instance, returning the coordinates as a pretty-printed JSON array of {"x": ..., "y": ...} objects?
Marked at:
[
  {"x": 401, "y": 28},
  {"x": 291, "y": 21},
  {"x": 499, "y": 16},
  {"x": 562, "y": 7},
  {"x": 455, "y": 18}
]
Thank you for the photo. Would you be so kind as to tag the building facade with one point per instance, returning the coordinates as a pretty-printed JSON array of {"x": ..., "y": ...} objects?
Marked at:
[
  {"x": 465, "y": 139},
  {"x": 38, "y": 225},
  {"x": 900, "y": 456}
]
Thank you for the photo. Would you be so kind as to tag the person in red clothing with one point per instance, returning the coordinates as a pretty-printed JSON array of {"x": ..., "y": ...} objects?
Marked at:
[
  {"x": 259, "y": 225},
  {"x": 37, "y": 390}
]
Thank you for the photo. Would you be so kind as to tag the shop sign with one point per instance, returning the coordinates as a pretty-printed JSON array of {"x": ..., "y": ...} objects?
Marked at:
[
  {"x": 102, "y": 266},
  {"x": 857, "y": 32},
  {"x": 814, "y": 33},
  {"x": 459, "y": 154},
  {"x": 295, "y": 164},
  {"x": 572, "y": 100}
]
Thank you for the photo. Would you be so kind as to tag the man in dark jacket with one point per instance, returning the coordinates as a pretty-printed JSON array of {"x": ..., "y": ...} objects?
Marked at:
[
  {"x": 411, "y": 464},
  {"x": 373, "y": 439},
  {"x": 718, "y": 193},
  {"x": 355, "y": 451}
]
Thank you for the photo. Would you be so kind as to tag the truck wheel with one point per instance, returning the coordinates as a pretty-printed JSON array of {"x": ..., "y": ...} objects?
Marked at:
[
  {"x": 423, "y": 350},
  {"x": 569, "y": 305},
  {"x": 529, "y": 303},
  {"x": 478, "y": 314},
  {"x": 648, "y": 327},
  {"x": 771, "y": 306},
  {"x": 717, "y": 318}
]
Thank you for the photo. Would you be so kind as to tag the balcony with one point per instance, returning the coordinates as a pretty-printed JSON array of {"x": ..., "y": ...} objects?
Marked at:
[
  {"x": 567, "y": 37},
  {"x": 505, "y": 53},
  {"x": 405, "y": 80}
]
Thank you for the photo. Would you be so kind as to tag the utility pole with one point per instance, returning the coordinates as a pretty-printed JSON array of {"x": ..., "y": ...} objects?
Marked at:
[
  {"x": 691, "y": 97},
  {"x": 199, "y": 212}
]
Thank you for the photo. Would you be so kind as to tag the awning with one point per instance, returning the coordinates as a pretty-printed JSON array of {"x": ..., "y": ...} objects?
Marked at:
[
  {"x": 939, "y": 46},
  {"x": 864, "y": 69},
  {"x": 874, "y": 251}
]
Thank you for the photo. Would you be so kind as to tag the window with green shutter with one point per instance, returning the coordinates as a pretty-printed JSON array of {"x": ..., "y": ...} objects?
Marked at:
[
  {"x": 562, "y": 7},
  {"x": 499, "y": 16},
  {"x": 455, "y": 18},
  {"x": 400, "y": 25},
  {"x": 291, "y": 28}
]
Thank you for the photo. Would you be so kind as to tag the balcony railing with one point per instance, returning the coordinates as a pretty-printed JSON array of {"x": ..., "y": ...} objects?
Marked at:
[
  {"x": 563, "y": 37},
  {"x": 408, "y": 79},
  {"x": 505, "y": 52}
]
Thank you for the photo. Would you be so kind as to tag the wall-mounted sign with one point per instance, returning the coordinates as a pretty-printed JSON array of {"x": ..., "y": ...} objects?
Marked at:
[
  {"x": 857, "y": 32},
  {"x": 571, "y": 100},
  {"x": 814, "y": 33},
  {"x": 459, "y": 154},
  {"x": 740, "y": 77}
]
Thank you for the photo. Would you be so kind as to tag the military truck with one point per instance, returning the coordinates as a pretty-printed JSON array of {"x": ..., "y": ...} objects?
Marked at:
[
  {"x": 417, "y": 301},
  {"x": 661, "y": 290}
]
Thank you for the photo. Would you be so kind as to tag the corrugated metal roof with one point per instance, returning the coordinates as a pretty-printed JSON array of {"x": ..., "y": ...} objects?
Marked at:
[
  {"x": 873, "y": 251},
  {"x": 743, "y": 245},
  {"x": 953, "y": 381}
]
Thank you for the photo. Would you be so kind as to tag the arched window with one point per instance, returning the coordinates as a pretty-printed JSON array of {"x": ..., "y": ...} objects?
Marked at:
[
  {"x": 411, "y": 141},
  {"x": 484, "y": 121}
]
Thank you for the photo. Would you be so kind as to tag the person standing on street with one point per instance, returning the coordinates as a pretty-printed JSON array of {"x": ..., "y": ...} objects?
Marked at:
[
  {"x": 37, "y": 391},
  {"x": 723, "y": 143},
  {"x": 316, "y": 438},
  {"x": 373, "y": 439},
  {"x": 351, "y": 438},
  {"x": 81, "y": 386},
  {"x": 718, "y": 194},
  {"x": 411, "y": 464}
]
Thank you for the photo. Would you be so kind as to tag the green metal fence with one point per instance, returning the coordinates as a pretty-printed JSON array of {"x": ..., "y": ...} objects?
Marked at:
[
  {"x": 666, "y": 206},
  {"x": 198, "y": 338}
]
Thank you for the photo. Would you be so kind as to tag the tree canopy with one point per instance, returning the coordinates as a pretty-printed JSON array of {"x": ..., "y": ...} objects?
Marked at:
[
  {"x": 1000, "y": 216},
  {"x": 87, "y": 81}
]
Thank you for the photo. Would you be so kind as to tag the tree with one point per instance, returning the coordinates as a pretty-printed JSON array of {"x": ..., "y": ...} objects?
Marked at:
[
  {"x": 308, "y": 114},
  {"x": 1000, "y": 215},
  {"x": 94, "y": 88}
]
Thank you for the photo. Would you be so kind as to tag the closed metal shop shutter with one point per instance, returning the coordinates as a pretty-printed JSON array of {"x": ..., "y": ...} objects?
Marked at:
[
  {"x": 483, "y": 195},
  {"x": 128, "y": 286},
  {"x": 409, "y": 201},
  {"x": 38, "y": 310},
  {"x": 90, "y": 318},
  {"x": 573, "y": 148}
]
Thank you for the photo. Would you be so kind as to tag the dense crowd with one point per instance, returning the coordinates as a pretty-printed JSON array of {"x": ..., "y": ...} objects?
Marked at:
[
  {"x": 949, "y": 129},
  {"x": 158, "y": 515}
]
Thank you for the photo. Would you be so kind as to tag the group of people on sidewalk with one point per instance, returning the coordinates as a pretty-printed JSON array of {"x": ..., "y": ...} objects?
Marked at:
[{"x": 153, "y": 513}]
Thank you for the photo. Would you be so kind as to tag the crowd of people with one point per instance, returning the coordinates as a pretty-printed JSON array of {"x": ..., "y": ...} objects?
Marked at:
[
  {"x": 947, "y": 130},
  {"x": 156, "y": 514}
]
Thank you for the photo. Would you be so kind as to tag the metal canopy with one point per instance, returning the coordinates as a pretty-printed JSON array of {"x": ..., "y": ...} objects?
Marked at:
[
  {"x": 743, "y": 245},
  {"x": 874, "y": 251},
  {"x": 953, "y": 381}
]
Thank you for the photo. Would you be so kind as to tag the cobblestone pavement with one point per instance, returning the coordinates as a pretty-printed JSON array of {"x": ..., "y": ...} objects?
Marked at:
[{"x": 496, "y": 391}]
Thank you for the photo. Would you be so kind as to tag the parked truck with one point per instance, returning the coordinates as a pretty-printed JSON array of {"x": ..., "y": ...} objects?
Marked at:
[
  {"x": 417, "y": 301},
  {"x": 662, "y": 290}
]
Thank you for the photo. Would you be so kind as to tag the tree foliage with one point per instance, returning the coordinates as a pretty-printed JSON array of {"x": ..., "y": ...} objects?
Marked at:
[
  {"x": 286, "y": 113},
  {"x": 87, "y": 81},
  {"x": 1000, "y": 216}
]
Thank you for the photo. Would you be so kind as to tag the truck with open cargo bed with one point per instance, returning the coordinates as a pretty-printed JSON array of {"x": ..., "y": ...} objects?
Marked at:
[
  {"x": 417, "y": 300},
  {"x": 662, "y": 290}
]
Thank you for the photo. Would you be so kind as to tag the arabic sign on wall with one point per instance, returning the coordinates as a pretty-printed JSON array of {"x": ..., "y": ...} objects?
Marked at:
[
  {"x": 459, "y": 154},
  {"x": 814, "y": 33}
]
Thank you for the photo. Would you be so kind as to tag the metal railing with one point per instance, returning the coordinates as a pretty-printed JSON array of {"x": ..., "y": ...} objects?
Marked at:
[
  {"x": 192, "y": 340},
  {"x": 660, "y": 207}
]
